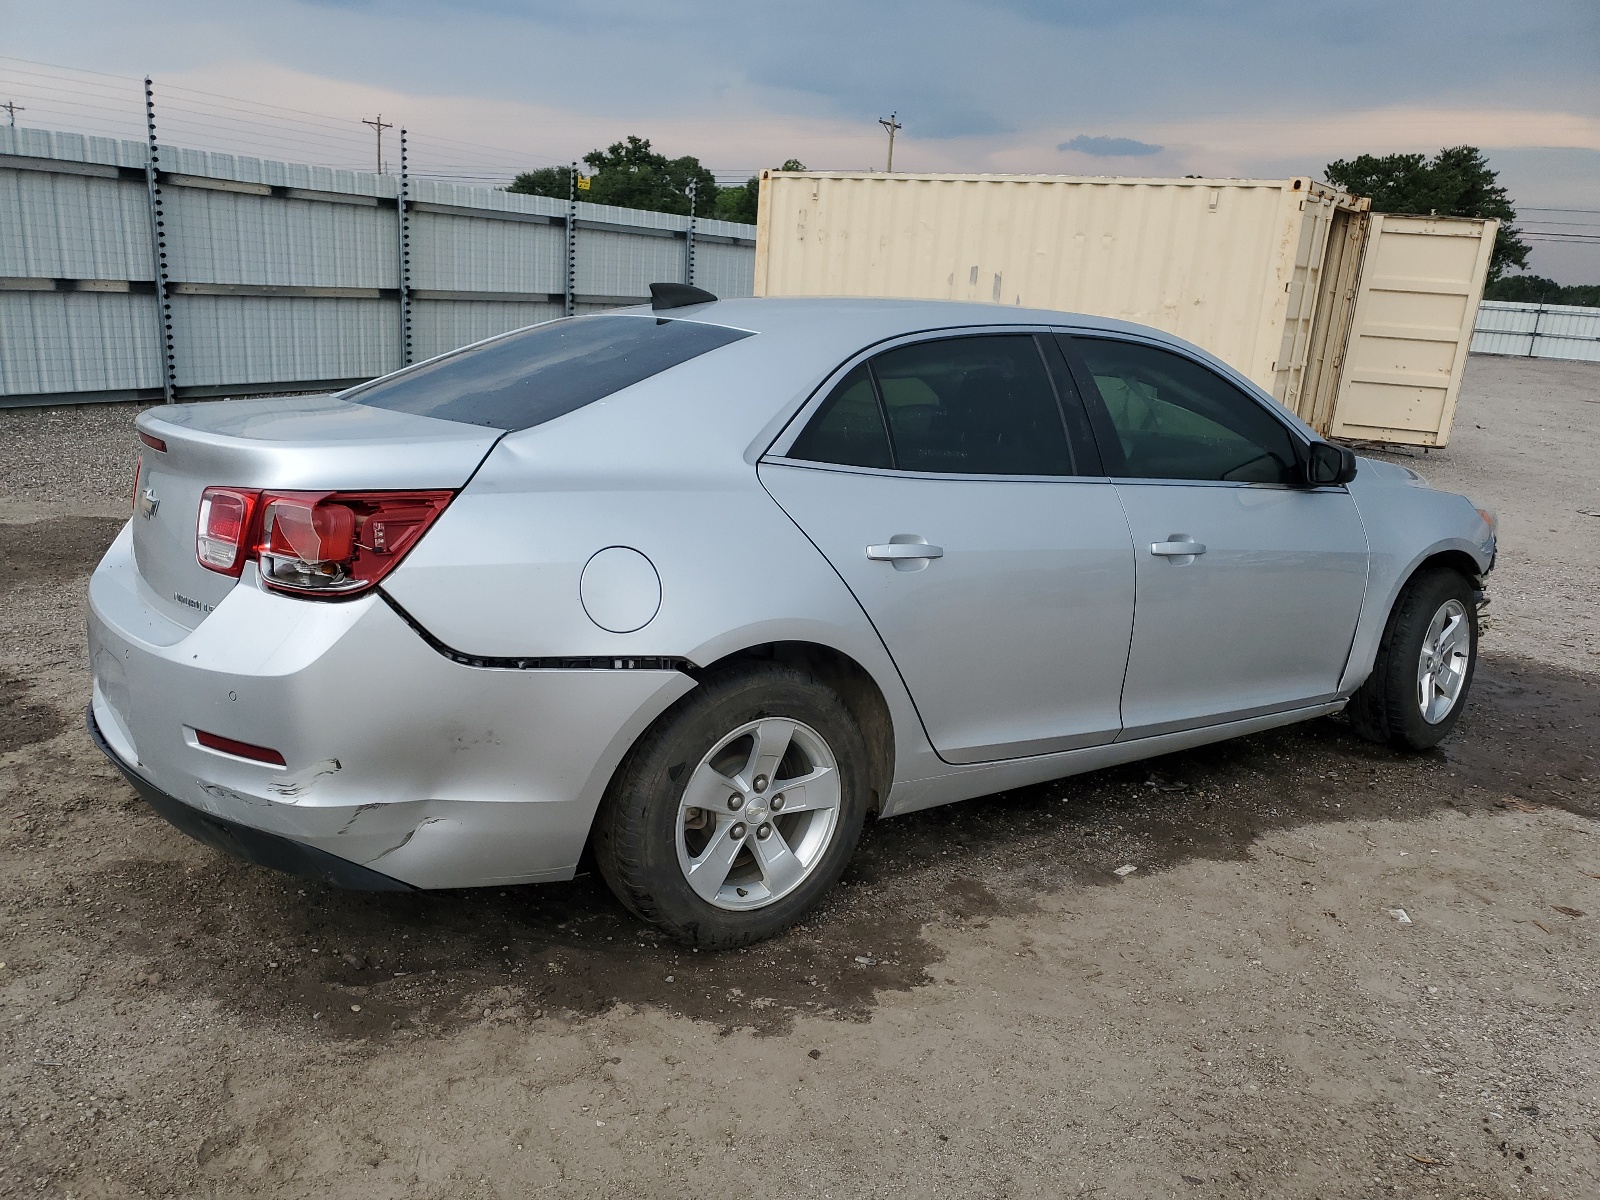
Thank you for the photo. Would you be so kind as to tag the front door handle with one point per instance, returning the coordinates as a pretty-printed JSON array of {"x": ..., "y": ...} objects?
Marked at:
[{"x": 1180, "y": 546}]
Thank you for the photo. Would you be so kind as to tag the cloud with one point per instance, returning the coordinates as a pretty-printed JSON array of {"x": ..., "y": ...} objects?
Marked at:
[{"x": 1110, "y": 147}]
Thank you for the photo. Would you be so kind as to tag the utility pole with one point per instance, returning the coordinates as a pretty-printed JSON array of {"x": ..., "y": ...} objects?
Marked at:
[
  {"x": 12, "y": 109},
  {"x": 380, "y": 125},
  {"x": 891, "y": 125}
]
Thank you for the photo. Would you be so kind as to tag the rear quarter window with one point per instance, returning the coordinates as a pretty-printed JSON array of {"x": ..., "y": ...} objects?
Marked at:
[{"x": 535, "y": 375}]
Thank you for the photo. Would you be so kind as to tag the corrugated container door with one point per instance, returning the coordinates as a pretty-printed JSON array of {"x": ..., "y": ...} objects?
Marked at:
[
  {"x": 1421, "y": 280},
  {"x": 1330, "y": 328}
]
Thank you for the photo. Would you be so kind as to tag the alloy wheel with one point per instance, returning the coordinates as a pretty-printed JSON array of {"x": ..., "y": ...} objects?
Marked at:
[
  {"x": 1443, "y": 662},
  {"x": 758, "y": 813}
]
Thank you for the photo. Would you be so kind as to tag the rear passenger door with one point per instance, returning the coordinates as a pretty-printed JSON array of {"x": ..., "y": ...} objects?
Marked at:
[
  {"x": 953, "y": 483},
  {"x": 1248, "y": 583}
]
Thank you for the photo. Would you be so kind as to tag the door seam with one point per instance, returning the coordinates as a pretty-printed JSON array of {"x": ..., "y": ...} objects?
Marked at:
[{"x": 871, "y": 624}]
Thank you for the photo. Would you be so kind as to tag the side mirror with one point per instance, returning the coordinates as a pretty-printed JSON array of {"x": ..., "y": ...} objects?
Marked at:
[{"x": 1328, "y": 465}]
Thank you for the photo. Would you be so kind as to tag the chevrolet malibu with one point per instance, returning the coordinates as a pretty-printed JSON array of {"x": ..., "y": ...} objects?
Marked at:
[{"x": 699, "y": 587}]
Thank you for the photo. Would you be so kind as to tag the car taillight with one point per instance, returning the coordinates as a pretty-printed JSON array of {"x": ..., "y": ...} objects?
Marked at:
[
  {"x": 323, "y": 543},
  {"x": 222, "y": 532},
  {"x": 138, "y": 469}
]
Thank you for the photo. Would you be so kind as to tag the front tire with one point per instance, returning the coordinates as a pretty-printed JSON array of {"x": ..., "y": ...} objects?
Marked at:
[
  {"x": 738, "y": 809},
  {"x": 1425, "y": 664}
]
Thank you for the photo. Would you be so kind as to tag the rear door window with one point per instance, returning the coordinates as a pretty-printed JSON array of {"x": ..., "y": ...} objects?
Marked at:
[
  {"x": 535, "y": 375},
  {"x": 975, "y": 405},
  {"x": 848, "y": 429}
]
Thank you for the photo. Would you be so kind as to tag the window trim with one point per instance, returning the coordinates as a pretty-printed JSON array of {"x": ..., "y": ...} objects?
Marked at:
[
  {"x": 1057, "y": 370},
  {"x": 1105, "y": 432}
]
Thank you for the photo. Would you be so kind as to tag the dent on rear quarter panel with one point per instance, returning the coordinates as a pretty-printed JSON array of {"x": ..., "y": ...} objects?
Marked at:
[{"x": 499, "y": 574}]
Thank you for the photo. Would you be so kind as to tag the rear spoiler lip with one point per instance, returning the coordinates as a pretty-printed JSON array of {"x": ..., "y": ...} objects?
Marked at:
[{"x": 317, "y": 443}]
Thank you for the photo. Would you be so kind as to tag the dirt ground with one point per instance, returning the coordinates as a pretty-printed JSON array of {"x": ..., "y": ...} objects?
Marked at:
[{"x": 983, "y": 1010}]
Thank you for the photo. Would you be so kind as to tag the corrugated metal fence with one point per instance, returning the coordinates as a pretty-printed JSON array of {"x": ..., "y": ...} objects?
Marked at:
[
  {"x": 286, "y": 277},
  {"x": 1537, "y": 330}
]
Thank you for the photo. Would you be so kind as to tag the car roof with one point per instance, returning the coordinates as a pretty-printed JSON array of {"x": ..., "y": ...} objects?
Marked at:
[
  {"x": 730, "y": 403},
  {"x": 868, "y": 319}
]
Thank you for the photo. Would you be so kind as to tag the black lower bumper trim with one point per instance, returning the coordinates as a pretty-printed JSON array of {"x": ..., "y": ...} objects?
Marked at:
[{"x": 253, "y": 845}]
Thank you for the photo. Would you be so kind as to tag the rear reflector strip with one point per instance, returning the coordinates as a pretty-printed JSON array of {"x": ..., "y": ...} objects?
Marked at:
[
  {"x": 154, "y": 443},
  {"x": 214, "y": 741}
]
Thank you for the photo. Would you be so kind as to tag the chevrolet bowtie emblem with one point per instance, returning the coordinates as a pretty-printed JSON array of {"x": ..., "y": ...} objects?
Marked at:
[{"x": 148, "y": 504}]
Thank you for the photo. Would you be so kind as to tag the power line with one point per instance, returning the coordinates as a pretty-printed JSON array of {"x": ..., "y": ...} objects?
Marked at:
[{"x": 1581, "y": 239}]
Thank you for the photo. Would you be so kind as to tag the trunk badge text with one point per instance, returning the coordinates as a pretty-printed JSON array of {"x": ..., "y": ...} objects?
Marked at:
[{"x": 148, "y": 504}]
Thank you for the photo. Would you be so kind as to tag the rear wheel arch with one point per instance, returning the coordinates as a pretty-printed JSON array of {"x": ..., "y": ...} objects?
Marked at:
[
  {"x": 642, "y": 837},
  {"x": 852, "y": 682},
  {"x": 854, "y": 685}
]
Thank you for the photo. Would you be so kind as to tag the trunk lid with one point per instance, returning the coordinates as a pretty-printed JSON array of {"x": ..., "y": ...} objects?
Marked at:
[{"x": 306, "y": 443}]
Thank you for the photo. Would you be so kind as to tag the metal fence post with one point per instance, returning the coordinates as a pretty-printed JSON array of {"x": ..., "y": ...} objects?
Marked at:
[
  {"x": 1533, "y": 338},
  {"x": 688, "y": 265},
  {"x": 165, "y": 343},
  {"x": 571, "y": 306},
  {"x": 403, "y": 211}
]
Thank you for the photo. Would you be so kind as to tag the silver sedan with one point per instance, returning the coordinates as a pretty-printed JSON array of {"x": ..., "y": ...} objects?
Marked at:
[{"x": 702, "y": 586}]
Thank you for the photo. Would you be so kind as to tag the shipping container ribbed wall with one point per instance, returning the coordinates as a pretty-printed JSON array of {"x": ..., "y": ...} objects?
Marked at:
[{"x": 1229, "y": 264}]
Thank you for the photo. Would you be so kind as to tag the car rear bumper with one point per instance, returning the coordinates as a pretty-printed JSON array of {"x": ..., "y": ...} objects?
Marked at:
[
  {"x": 253, "y": 845},
  {"x": 399, "y": 763}
]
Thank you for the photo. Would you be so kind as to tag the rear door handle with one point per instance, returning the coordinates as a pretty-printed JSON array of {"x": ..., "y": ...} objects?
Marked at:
[
  {"x": 903, "y": 550},
  {"x": 906, "y": 552},
  {"x": 1177, "y": 548}
]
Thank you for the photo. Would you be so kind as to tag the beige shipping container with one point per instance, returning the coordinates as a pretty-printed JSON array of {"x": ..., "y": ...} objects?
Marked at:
[{"x": 1262, "y": 273}]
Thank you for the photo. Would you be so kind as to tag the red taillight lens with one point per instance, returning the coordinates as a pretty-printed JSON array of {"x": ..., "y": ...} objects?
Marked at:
[
  {"x": 315, "y": 543},
  {"x": 138, "y": 469},
  {"x": 223, "y": 530},
  {"x": 310, "y": 530},
  {"x": 153, "y": 442}
]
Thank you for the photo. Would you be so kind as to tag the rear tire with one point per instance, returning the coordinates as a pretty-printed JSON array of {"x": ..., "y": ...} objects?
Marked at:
[
  {"x": 1425, "y": 664},
  {"x": 697, "y": 832}
]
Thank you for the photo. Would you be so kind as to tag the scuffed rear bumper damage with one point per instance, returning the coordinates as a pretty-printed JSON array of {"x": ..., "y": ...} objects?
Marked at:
[
  {"x": 409, "y": 768},
  {"x": 253, "y": 845}
]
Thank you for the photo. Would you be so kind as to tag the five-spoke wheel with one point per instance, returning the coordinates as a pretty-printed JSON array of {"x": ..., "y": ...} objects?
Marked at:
[
  {"x": 1424, "y": 664},
  {"x": 1443, "y": 661},
  {"x": 738, "y": 809},
  {"x": 758, "y": 813}
]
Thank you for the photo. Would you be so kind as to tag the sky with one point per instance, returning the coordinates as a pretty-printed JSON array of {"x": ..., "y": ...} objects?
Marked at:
[{"x": 1087, "y": 87}]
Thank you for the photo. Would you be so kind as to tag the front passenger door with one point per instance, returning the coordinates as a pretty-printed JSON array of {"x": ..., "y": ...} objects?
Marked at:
[{"x": 1248, "y": 584}]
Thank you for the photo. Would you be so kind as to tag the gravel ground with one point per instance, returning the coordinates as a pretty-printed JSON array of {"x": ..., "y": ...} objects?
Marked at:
[{"x": 983, "y": 1009}]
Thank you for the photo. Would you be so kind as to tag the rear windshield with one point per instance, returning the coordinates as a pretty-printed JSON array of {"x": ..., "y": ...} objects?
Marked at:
[{"x": 538, "y": 374}]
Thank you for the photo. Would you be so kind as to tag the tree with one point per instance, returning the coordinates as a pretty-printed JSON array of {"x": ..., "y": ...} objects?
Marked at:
[
  {"x": 546, "y": 181},
  {"x": 1536, "y": 289},
  {"x": 1456, "y": 182},
  {"x": 630, "y": 174},
  {"x": 739, "y": 203}
]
